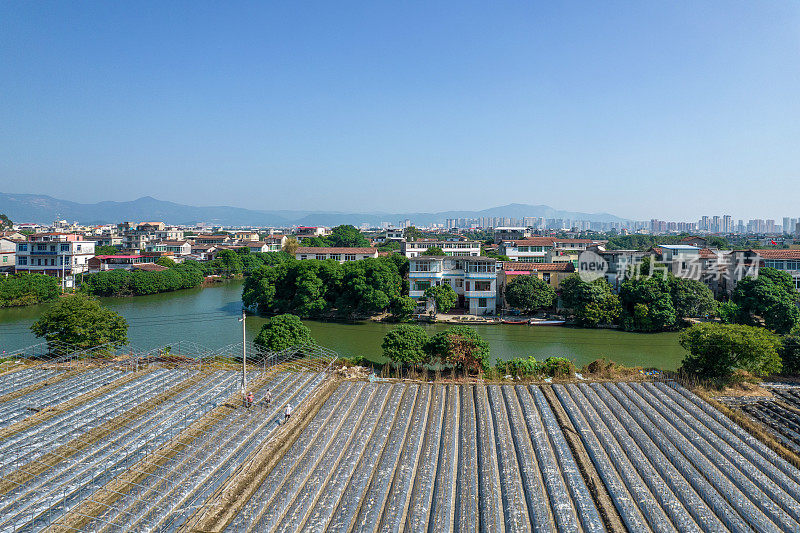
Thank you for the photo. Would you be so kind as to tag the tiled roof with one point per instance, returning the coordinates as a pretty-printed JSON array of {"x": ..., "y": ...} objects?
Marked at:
[
  {"x": 769, "y": 253},
  {"x": 539, "y": 267},
  {"x": 535, "y": 241},
  {"x": 152, "y": 267},
  {"x": 332, "y": 250}
]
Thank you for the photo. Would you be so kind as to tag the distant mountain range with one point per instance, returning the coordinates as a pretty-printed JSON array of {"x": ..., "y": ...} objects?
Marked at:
[{"x": 39, "y": 208}]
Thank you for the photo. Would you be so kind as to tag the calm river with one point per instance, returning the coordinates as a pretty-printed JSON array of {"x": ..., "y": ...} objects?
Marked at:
[{"x": 210, "y": 317}]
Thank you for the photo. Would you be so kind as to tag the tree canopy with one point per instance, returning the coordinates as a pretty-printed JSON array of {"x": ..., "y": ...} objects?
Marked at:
[
  {"x": 405, "y": 346},
  {"x": 529, "y": 294},
  {"x": 5, "y": 222},
  {"x": 718, "y": 351},
  {"x": 119, "y": 282},
  {"x": 434, "y": 250},
  {"x": 81, "y": 322},
  {"x": 282, "y": 332},
  {"x": 770, "y": 299},
  {"x": 459, "y": 347},
  {"x": 591, "y": 303},
  {"x": 344, "y": 236},
  {"x": 443, "y": 296},
  {"x": 28, "y": 289},
  {"x": 311, "y": 288}
]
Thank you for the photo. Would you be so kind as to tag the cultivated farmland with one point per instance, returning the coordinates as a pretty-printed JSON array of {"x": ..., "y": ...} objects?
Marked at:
[{"x": 153, "y": 445}]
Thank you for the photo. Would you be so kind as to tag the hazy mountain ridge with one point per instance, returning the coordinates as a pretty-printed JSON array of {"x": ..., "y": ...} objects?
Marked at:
[{"x": 44, "y": 209}]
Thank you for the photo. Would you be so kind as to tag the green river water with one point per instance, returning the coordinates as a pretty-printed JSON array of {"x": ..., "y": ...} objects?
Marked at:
[{"x": 209, "y": 317}]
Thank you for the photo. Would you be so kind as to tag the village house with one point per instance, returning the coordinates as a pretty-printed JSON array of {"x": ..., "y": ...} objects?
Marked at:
[
  {"x": 449, "y": 247},
  {"x": 55, "y": 254},
  {"x": 474, "y": 280},
  {"x": 550, "y": 273},
  {"x": 337, "y": 254}
]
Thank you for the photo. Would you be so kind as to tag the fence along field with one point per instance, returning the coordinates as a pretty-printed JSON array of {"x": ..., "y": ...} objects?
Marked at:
[
  {"x": 157, "y": 441},
  {"x": 134, "y": 440}
]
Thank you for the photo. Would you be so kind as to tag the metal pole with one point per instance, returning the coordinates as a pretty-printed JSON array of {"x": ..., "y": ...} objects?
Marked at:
[{"x": 244, "y": 353}]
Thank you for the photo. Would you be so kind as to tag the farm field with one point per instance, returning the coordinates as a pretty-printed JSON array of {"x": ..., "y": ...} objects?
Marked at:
[
  {"x": 159, "y": 447},
  {"x": 491, "y": 458},
  {"x": 781, "y": 414},
  {"x": 126, "y": 447}
]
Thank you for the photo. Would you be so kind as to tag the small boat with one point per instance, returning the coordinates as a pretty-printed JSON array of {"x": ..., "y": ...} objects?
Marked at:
[
  {"x": 534, "y": 322},
  {"x": 516, "y": 322}
]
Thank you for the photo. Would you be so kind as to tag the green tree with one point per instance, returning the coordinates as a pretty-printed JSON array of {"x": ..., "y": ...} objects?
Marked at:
[
  {"x": 459, "y": 347},
  {"x": 347, "y": 236},
  {"x": 28, "y": 289},
  {"x": 770, "y": 299},
  {"x": 529, "y": 294},
  {"x": 790, "y": 352},
  {"x": 718, "y": 351},
  {"x": 165, "y": 261},
  {"x": 591, "y": 303},
  {"x": 106, "y": 250},
  {"x": 228, "y": 262},
  {"x": 647, "y": 300},
  {"x": 5, "y": 222},
  {"x": 692, "y": 298},
  {"x": 443, "y": 297},
  {"x": 411, "y": 233},
  {"x": 82, "y": 322},
  {"x": 405, "y": 346},
  {"x": 282, "y": 332},
  {"x": 403, "y": 307},
  {"x": 433, "y": 250}
]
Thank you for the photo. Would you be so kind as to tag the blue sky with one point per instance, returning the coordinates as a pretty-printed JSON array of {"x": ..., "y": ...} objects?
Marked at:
[{"x": 642, "y": 109}]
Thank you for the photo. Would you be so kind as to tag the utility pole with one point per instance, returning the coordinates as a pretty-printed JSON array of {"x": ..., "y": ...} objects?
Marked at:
[{"x": 244, "y": 353}]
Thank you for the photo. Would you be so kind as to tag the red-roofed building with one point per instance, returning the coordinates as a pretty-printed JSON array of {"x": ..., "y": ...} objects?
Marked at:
[{"x": 784, "y": 260}]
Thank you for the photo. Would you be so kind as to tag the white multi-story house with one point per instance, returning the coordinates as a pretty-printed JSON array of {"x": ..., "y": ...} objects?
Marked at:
[
  {"x": 178, "y": 248},
  {"x": 785, "y": 260},
  {"x": 474, "y": 280},
  {"x": 531, "y": 250},
  {"x": 54, "y": 254},
  {"x": 394, "y": 234},
  {"x": 451, "y": 248},
  {"x": 337, "y": 254},
  {"x": 275, "y": 242},
  {"x": 8, "y": 252}
]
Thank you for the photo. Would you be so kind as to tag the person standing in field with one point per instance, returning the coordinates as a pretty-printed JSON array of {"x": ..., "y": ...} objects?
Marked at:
[
  {"x": 268, "y": 398},
  {"x": 287, "y": 413}
]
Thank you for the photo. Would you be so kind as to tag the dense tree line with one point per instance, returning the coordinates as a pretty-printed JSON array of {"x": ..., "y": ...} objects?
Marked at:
[
  {"x": 648, "y": 301},
  {"x": 312, "y": 288},
  {"x": 28, "y": 289},
  {"x": 120, "y": 282}
]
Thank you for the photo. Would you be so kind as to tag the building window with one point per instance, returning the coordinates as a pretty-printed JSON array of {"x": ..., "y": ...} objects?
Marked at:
[
  {"x": 422, "y": 285},
  {"x": 320, "y": 256},
  {"x": 22, "y": 260},
  {"x": 337, "y": 257},
  {"x": 459, "y": 283},
  {"x": 349, "y": 257},
  {"x": 303, "y": 257},
  {"x": 65, "y": 247},
  {"x": 483, "y": 285},
  {"x": 22, "y": 247},
  {"x": 481, "y": 302}
]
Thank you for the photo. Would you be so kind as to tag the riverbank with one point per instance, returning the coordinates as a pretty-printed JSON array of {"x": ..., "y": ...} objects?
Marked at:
[{"x": 209, "y": 317}]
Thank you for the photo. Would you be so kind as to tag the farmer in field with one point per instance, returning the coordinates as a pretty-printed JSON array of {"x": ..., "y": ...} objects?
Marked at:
[
  {"x": 287, "y": 413},
  {"x": 268, "y": 398},
  {"x": 250, "y": 399}
]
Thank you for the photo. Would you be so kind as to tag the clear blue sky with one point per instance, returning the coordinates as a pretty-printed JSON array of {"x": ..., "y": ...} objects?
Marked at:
[{"x": 642, "y": 109}]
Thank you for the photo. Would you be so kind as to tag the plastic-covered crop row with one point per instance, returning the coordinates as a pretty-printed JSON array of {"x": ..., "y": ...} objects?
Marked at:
[
  {"x": 33, "y": 442},
  {"x": 427, "y": 458},
  {"x": 58, "y": 489},
  {"x": 19, "y": 379},
  {"x": 670, "y": 461},
  {"x": 193, "y": 475},
  {"x": 22, "y": 407}
]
